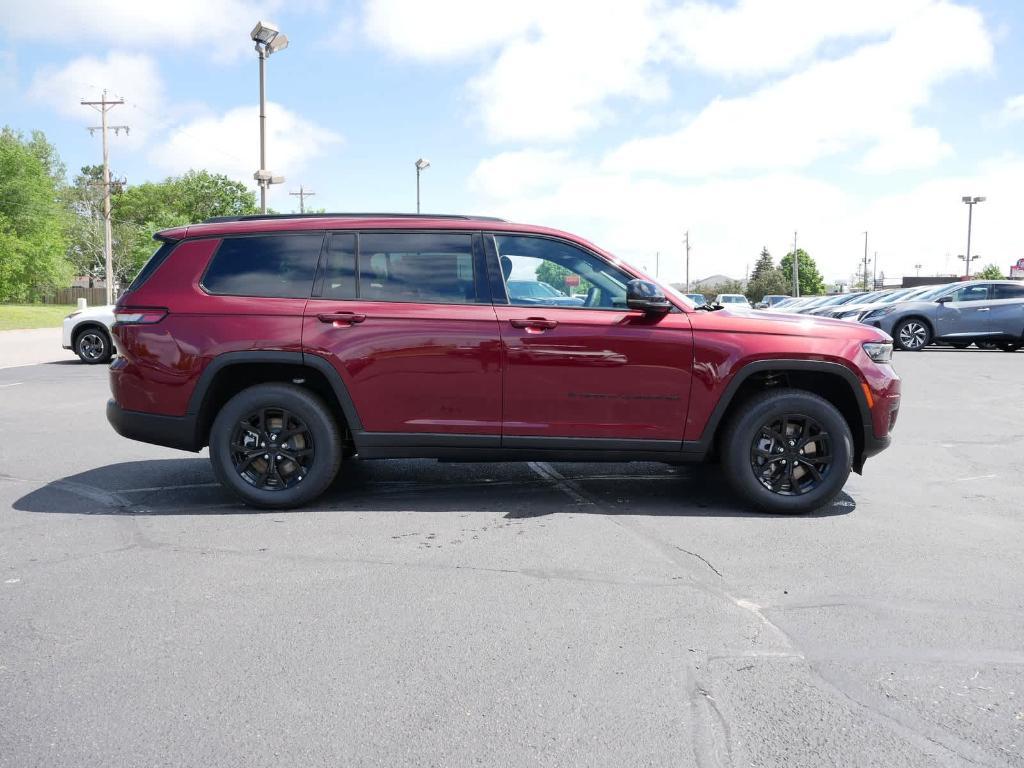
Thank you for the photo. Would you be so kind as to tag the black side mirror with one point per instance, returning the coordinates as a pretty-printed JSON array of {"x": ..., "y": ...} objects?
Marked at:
[
  {"x": 943, "y": 299},
  {"x": 647, "y": 297}
]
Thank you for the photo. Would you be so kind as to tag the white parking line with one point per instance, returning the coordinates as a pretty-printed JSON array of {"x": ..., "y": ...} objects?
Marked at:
[{"x": 12, "y": 384}]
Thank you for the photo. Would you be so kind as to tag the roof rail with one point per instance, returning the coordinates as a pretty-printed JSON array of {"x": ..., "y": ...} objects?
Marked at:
[{"x": 262, "y": 216}]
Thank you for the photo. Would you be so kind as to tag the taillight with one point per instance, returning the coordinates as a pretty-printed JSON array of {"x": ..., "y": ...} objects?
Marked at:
[{"x": 139, "y": 315}]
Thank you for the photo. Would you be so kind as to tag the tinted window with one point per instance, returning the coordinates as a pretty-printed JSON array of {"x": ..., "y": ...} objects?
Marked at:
[
  {"x": 542, "y": 272},
  {"x": 267, "y": 265},
  {"x": 340, "y": 268},
  {"x": 970, "y": 293},
  {"x": 155, "y": 261},
  {"x": 1002, "y": 291},
  {"x": 428, "y": 268}
]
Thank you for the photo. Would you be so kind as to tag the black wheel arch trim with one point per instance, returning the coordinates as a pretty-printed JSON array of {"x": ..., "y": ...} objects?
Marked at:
[
  {"x": 245, "y": 357},
  {"x": 87, "y": 325},
  {"x": 783, "y": 366}
]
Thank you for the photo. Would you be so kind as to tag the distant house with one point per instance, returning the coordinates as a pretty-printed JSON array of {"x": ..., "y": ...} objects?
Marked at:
[{"x": 714, "y": 280}]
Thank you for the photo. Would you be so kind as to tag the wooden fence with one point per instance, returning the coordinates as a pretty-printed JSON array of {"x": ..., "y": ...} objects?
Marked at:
[{"x": 96, "y": 297}]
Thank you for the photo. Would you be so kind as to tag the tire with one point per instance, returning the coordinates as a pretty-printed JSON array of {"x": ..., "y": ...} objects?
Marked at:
[
  {"x": 93, "y": 346},
  {"x": 1009, "y": 346},
  {"x": 989, "y": 345},
  {"x": 912, "y": 334},
  {"x": 293, "y": 471},
  {"x": 959, "y": 344},
  {"x": 760, "y": 469}
]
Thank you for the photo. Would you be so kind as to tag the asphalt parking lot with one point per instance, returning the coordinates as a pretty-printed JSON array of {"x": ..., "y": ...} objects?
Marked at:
[{"x": 441, "y": 614}]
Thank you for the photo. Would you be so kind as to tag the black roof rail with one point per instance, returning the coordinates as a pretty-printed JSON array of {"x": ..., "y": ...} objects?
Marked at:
[{"x": 262, "y": 216}]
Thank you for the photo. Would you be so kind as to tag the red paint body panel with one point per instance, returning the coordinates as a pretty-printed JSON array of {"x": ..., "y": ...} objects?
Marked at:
[
  {"x": 597, "y": 373},
  {"x": 414, "y": 367}
]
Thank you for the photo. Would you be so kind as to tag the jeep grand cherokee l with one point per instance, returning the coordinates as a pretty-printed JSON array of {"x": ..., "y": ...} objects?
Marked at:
[{"x": 292, "y": 344}]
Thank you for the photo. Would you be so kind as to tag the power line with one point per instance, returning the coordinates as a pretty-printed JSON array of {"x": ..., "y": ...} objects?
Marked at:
[
  {"x": 302, "y": 194},
  {"x": 103, "y": 106}
]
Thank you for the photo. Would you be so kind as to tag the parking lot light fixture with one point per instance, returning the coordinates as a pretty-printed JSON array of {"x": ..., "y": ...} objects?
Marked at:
[
  {"x": 268, "y": 40},
  {"x": 970, "y": 202},
  {"x": 421, "y": 165}
]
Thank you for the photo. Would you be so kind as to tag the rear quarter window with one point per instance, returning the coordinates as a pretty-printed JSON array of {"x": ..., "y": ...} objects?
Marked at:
[
  {"x": 273, "y": 266},
  {"x": 158, "y": 258}
]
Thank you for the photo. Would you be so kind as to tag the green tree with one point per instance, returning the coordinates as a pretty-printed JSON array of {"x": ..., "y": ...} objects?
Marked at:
[
  {"x": 32, "y": 218},
  {"x": 554, "y": 275},
  {"x": 811, "y": 281},
  {"x": 991, "y": 272},
  {"x": 766, "y": 278}
]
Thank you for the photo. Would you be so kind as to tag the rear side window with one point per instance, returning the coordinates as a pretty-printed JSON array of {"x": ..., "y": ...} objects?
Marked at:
[
  {"x": 1003, "y": 291},
  {"x": 428, "y": 267},
  {"x": 281, "y": 266},
  {"x": 158, "y": 258}
]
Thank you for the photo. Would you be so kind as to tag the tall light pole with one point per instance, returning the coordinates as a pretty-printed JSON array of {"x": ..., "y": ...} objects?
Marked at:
[
  {"x": 865, "y": 261},
  {"x": 971, "y": 202},
  {"x": 796, "y": 270},
  {"x": 268, "y": 40},
  {"x": 421, "y": 165},
  {"x": 917, "y": 269},
  {"x": 687, "y": 261}
]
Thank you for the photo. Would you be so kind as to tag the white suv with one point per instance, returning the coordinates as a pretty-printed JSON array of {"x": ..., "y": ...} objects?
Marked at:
[{"x": 87, "y": 332}]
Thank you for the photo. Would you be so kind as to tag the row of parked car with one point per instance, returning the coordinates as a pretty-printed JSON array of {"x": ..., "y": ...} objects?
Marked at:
[{"x": 987, "y": 313}]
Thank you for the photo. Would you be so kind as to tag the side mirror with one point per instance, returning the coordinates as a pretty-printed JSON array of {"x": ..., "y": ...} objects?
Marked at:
[
  {"x": 943, "y": 299},
  {"x": 647, "y": 297}
]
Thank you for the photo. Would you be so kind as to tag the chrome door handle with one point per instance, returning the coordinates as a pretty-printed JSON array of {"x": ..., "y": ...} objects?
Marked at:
[
  {"x": 984, "y": 309},
  {"x": 348, "y": 318},
  {"x": 533, "y": 322}
]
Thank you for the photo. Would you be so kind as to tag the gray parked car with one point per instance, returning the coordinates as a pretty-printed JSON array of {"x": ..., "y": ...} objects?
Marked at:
[{"x": 980, "y": 311}]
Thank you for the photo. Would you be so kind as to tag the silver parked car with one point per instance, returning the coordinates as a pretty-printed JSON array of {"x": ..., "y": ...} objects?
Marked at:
[{"x": 980, "y": 311}]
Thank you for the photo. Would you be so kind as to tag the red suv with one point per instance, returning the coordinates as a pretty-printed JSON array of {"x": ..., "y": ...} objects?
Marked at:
[{"x": 289, "y": 344}]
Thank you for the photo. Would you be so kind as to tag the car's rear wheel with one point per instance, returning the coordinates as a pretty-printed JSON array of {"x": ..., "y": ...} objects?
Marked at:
[
  {"x": 787, "y": 451},
  {"x": 959, "y": 344},
  {"x": 990, "y": 345},
  {"x": 93, "y": 346},
  {"x": 912, "y": 335},
  {"x": 1009, "y": 346},
  {"x": 275, "y": 446}
]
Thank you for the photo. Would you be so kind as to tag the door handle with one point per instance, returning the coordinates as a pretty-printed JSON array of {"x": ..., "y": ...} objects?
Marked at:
[
  {"x": 984, "y": 309},
  {"x": 539, "y": 323},
  {"x": 349, "y": 318}
]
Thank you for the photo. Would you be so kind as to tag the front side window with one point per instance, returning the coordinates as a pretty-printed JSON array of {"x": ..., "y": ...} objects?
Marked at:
[
  {"x": 279, "y": 266},
  {"x": 551, "y": 273},
  {"x": 970, "y": 293},
  {"x": 429, "y": 267}
]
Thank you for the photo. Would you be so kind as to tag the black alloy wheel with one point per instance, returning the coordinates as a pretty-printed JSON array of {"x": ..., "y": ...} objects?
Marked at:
[
  {"x": 275, "y": 446},
  {"x": 272, "y": 449},
  {"x": 93, "y": 346},
  {"x": 791, "y": 455}
]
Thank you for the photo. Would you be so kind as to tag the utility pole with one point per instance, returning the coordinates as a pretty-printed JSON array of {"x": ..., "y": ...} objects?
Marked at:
[
  {"x": 796, "y": 270},
  {"x": 687, "y": 262},
  {"x": 657, "y": 263},
  {"x": 302, "y": 194},
  {"x": 103, "y": 106},
  {"x": 865, "y": 261},
  {"x": 874, "y": 273}
]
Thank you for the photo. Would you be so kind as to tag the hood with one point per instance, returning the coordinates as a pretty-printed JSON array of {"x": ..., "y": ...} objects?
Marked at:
[{"x": 784, "y": 324}]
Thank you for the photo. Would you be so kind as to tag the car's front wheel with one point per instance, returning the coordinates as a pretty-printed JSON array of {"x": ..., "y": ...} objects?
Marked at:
[
  {"x": 1009, "y": 346},
  {"x": 275, "y": 446},
  {"x": 93, "y": 346},
  {"x": 787, "y": 451},
  {"x": 912, "y": 335}
]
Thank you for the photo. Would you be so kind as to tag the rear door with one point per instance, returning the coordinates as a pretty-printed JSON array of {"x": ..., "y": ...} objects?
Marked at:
[
  {"x": 965, "y": 315},
  {"x": 1006, "y": 315},
  {"x": 406, "y": 320},
  {"x": 585, "y": 366}
]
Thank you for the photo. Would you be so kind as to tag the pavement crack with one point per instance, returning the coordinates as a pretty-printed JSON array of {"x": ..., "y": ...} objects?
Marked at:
[{"x": 702, "y": 559}]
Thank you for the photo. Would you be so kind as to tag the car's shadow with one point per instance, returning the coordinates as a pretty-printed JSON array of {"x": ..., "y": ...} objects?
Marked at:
[{"x": 516, "y": 490}]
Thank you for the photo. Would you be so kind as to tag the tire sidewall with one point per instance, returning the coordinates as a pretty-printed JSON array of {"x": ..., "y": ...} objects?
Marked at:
[
  {"x": 305, "y": 405},
  {"x": 743, "y": 429}
]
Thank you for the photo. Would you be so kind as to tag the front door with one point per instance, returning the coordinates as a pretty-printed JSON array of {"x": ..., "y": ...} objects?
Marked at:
[
  {"x": 965, "y": 315},
  {"x": 406, "y": 320},
  {"x": 578, "y": 363}
]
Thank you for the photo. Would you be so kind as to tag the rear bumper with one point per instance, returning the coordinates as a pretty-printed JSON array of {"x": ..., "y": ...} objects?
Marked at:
[{"x": 170, "y": 431}]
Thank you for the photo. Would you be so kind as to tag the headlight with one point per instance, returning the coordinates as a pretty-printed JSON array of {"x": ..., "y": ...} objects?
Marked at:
[
  {"x": 879, "y": 351},
  {"x": 876, "y": 313}
]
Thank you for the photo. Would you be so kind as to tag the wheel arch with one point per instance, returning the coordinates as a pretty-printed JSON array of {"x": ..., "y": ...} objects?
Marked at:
[
  {"x": 86, "y": 325},
  {"x": 231, "y": 372},
  {"x": 833, "y": 381}
]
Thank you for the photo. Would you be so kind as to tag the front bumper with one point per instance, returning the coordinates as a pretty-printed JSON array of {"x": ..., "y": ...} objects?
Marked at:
[{"x": 179, "y": 432}]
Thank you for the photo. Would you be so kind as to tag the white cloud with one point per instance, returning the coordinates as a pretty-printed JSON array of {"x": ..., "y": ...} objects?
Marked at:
[
  {"x": 1013, "y": 109},
  {"x": 229, "y": 143},
  {"x": 8, "y": 71},
  {"x": 133, "y": 77},
  {"x": 730, "y": 219},
  {"x": 865, "y": 100},
  {"x": 220, "y": 26}
]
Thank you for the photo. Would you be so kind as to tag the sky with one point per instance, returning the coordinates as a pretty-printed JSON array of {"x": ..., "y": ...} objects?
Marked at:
[{"x": 627, "y": 122}]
